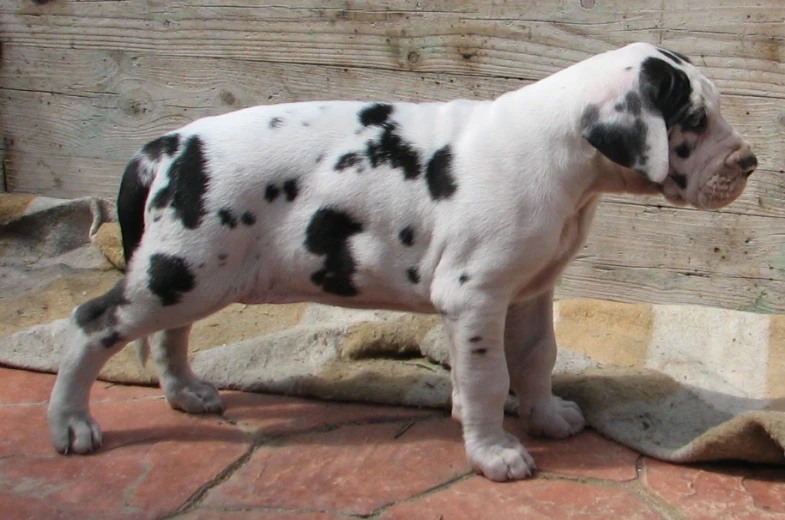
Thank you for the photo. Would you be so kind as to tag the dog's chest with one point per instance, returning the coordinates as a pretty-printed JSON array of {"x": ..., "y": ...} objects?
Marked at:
[{"x": 572, "y": 237}]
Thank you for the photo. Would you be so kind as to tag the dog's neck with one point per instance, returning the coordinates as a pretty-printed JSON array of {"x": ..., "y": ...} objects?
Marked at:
[{"x": 557, "y": 104}]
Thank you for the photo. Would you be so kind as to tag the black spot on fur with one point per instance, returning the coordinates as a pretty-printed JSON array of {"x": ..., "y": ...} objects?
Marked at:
[
  {"x": 99, "y": 314},
  {"x": 347, "y": 161},
  {"x": 222, "y": 256},
  {"x": 162, "y": 198},
  {"x": 438, "y": 175},
  {"x": 675, "y": 56},
  {"x": 276, "y": 122},
  {"x": 188, "y": 181},
  {"x": 130, "y": 207},
  {"x": 111, "y": 340},
  {"x": 463, "y": 278},
  {"x": 591, "y": 115},
  {"x": 169, "y": 278},
  {"x": 319, "y": 158},
  {"x": 227, "y": 219},
  {"x": 166, "y": 145},
  {"x": 390, "y": 148},
  {"x": 248, "y": 218},
  {"x": 695, "y": 122},
  {"x": 328, "y": 235},
  {"x": 480, "y": 351},
  {"x": 475, "y": 339},
  {"x": 665, "y": 89},
  {"x": 406, "y": 236},
  {"x": 680, "y": 179},
  {"x": 684, "y": 149},
  {"x": 376, "y": 114},
  {"x": 634, "y": 102},
  {"x": 413, "y": 274},
  {"x": 682, "y": 56},
  {"x": 291, "y": 188},
  {"x": 271, "y": 192},
  {"x": 622, "y": 144}
]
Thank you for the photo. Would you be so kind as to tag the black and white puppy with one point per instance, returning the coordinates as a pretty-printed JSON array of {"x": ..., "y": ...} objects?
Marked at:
[{"x": 469, "y": 209}]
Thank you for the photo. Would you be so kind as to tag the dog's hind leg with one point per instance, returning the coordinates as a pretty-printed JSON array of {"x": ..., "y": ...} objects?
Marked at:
[
  {"x": 99, "y": 329},
  {"x": 95, "y": 334},
  {"x": 183, "y": 390},
  {"x": 71, "y": 426}
]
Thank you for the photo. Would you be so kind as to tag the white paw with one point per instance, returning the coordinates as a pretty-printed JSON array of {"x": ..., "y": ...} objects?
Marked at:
[
  {"x": 557, "y": 419},
  {"x": 505, "y": 459},
  {"x": 194, "y": 396},
  {"x": 73, "y": 432}
]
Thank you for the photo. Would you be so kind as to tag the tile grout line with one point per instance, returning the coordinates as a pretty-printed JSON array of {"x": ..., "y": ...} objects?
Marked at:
[
  {"x": 635, "y": 486},
  {"x": 265, "y": 509},
  {"x": 646, "y": 495},
  {"x": 260, "y": 439},
  {"x": 422, "y": 494},
  {"x": 193, "y": 501}
]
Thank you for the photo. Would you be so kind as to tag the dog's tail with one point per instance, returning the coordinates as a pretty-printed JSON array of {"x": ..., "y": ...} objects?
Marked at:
[
  {"x": 134, "y": 190},
  {"x": 131, "y": 202}
]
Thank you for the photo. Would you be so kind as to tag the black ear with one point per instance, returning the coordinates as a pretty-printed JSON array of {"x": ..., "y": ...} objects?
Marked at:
[
  {"x": 621, "y": 142},
  {"x": 665, "y": 89},
  {"x": 627, "y": 134}
]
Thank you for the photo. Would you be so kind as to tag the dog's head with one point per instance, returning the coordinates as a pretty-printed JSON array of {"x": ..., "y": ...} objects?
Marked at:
[{"x": 657, "y": 114}]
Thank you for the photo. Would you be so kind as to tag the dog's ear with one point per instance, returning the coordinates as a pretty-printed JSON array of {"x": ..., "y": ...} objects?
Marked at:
[
  {"x": 631, "y": 127},
  {"x": 628, "y": 133},
  {"x": 665, "y": 89}
]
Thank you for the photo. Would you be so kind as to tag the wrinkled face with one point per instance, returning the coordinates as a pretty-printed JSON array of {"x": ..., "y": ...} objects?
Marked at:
[
  {"x": 673, "y": 134},
  {"x": 709, "y": 162}
]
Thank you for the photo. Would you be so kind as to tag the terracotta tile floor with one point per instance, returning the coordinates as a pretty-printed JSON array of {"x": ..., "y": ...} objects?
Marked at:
[{"x": 275, "y": 457}]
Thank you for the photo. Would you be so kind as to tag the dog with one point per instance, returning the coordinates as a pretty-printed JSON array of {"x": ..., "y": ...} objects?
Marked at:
[{"x": 469, "y": 209}]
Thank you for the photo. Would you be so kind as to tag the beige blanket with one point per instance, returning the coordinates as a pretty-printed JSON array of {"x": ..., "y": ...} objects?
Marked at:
[{"x": 680, "y": 383}]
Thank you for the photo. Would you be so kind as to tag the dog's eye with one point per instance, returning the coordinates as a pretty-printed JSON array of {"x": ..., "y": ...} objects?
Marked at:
[{"x": 695, "y": 122}]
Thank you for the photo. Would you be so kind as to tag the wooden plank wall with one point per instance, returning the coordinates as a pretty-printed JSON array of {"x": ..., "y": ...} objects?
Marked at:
[{"x": 84, "y": 83}]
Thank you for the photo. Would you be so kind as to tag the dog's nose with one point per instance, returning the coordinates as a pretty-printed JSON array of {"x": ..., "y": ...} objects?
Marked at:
[
  {"x": 748, "y": 164},
  {"x": 743, "y": 159}
]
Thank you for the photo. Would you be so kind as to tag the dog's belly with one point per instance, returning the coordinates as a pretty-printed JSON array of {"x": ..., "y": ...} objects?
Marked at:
[{"x": 384, "y": 273}]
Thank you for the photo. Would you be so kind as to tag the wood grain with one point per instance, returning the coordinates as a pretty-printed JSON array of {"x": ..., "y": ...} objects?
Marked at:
[
  {"x": 84, "y": 84},
  {"x": 525, "y": 40}
]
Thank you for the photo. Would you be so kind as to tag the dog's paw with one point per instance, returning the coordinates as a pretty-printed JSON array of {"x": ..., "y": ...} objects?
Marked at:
[
  {"x": 557, "y": 419},
  {"x": 73, "y": 432},
  {"x": 194, "y": 396},
  {"x": 505, "y": 459}
]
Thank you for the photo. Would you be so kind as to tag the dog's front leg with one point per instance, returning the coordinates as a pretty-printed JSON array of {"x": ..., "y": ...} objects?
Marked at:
[
  {"x": 479, "y": 369},
  {"x": 530, "y": 346}
]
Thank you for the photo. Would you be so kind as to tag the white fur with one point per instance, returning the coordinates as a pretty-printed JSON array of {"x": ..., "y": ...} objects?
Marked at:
[{"x": 527, "y": 185}]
